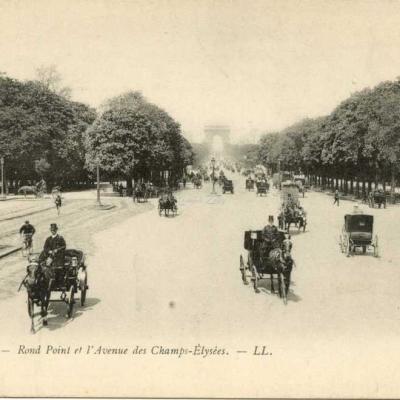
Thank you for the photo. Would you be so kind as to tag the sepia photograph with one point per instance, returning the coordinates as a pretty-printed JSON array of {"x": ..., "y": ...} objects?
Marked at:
[{"x": 200, "y": 199}]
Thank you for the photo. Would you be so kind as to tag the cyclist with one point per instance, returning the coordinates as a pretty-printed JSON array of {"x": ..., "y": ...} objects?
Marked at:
[{"x": 27, "y": 231}]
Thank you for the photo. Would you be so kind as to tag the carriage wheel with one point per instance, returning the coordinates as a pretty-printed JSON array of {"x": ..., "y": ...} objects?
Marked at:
[
  {"x": 71, "y": 301},
  {"x": 30, "y": 306},
  {"x": 376, "y": 249}
]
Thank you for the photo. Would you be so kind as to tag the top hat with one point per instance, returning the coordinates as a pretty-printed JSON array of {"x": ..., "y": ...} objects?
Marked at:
[{"x": 53, "y": 226}]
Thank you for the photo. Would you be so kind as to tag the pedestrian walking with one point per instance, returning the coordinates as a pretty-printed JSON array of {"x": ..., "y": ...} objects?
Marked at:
[
  {"x": 58, "y": 203},
  {"x": 336, "y": 198}
]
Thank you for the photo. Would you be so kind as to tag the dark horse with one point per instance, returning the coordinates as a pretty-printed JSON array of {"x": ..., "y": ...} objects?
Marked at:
[
  {"x": 290, "y": 216},
  {"x": 266, "y": 261},
  {"x": 167, "y": 204},
  {"x": 37, "y": 282}
]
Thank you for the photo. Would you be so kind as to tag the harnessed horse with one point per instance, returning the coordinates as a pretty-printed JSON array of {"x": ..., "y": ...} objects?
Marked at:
[
  {"x": 38, "y": 282},
  {"x": 275, "y": 260}
]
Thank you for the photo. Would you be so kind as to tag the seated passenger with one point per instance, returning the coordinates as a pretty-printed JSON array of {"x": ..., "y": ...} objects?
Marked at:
[{"x": 270, "y": 232}]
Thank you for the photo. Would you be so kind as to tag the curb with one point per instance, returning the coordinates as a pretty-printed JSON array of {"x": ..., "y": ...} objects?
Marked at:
[
  {"x": 11, "y": 251},
  {"x": 105, "y": 207},
  {"x": 26, "y": 215}
]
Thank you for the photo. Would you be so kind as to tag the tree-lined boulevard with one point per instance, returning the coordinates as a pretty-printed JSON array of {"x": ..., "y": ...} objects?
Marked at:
[{"x": 176, "y": 281}]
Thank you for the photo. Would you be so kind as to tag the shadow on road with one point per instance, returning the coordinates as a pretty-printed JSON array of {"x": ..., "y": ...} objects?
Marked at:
[
  {"x": 57, "y": 313},
  {"x": 265, "y": 287}
]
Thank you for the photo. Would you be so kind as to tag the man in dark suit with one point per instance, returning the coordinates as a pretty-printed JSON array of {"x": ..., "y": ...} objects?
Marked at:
[{"x": 55, "y": 246}]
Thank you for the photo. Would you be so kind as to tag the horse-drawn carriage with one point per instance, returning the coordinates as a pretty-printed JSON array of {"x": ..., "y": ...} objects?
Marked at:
[
  {"x": 291, "y": 210},
  {"x": 267, "y": 258},
  {"x": 139, "y": 193},
  {"x": 249, "y": 184},
  {"x": 262, "y": 188},
  {"x": 377, "y": 197},
  {"x": 31, "y": 190},
  {"x": 43, "y": 278},
  {"x": 168, "y": 204},
  {"x": 357, "y": 232},
  {"x": 227, "y": 186},
  {"x": 197, "y": 182}
]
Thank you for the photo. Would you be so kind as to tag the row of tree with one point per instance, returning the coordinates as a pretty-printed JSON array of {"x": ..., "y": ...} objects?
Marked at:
[
  {"x": 43, "y": 134},
  {"x": 135, "y": 139},
  {"x": 354, "y": 147}
]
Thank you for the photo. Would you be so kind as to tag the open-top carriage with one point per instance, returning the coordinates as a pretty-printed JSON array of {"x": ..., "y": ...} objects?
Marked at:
[
  {"x": 43, "y": 278},
  {"x": 262, "y": 188},
  {"x": 167, "y": 204},
  {"x": 266, "y": 258},
  {"x": 291, "y": 210},
  {"x": 249, "y": 184},
  {"x": 227, "y": 186},
  {"x": 377, "y": 197},
  {"x": 357, "y": 232}
]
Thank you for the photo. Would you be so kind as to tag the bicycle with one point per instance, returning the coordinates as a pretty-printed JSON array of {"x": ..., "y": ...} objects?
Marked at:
[{"x": 27, "y": 245}]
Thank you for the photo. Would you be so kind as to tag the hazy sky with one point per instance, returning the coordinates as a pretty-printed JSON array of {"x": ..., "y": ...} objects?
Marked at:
[{"x": 253, "y": 65}]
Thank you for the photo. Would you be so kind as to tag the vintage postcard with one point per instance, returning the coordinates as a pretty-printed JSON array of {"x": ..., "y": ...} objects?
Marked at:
[{"x": 200, "y": 199}]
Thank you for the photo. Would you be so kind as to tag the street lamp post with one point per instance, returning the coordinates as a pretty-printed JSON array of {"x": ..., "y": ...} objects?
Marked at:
[
  {"x": 2, "y": 177},
  {"x": 213, "y": 174}
]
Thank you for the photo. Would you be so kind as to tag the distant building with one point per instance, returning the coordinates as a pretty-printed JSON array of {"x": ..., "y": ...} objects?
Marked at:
[{"x": 223, "y": 131}]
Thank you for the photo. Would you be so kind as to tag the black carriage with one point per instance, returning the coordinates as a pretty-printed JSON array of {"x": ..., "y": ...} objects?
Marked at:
[
  {"x": 262, "y": 188},
  {"x": 168, "y": 205},
  {"x": 267, "y": 259},
  {"x": 249, "y": 184},
  {"x": 377, "y": 197},
  {"x": 357, "y": 232},
  {"x": 227, "y": 186},
  {"x": 44, "y": 278}
]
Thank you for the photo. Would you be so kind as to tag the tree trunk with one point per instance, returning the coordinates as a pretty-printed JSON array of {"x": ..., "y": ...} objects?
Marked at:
[
  {"x": 393, "y": 185},
  {"x": 129, "y": 187}
]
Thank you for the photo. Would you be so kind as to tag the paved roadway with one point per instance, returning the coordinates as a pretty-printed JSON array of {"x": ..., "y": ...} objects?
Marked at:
[{"x": 176, "y": 282}]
